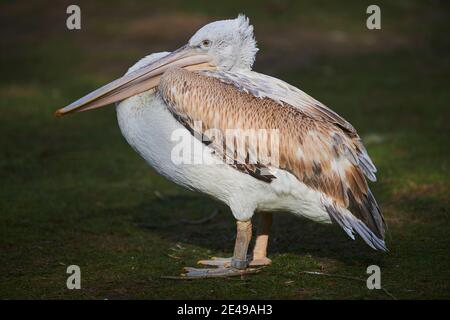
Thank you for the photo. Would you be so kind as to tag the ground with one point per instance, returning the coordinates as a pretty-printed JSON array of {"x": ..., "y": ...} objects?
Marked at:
[{"x": 73, "y": 192}]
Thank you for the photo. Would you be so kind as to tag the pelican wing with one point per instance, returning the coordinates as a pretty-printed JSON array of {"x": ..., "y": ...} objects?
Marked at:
[{"x": 316, "y": 145}]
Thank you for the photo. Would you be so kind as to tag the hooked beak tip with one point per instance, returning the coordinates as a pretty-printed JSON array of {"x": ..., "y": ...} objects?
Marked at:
[{"x": 58, "y": 114}]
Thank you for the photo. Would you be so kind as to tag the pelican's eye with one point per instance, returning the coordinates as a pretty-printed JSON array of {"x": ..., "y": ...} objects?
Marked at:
[{"x": 206, "y": 43}]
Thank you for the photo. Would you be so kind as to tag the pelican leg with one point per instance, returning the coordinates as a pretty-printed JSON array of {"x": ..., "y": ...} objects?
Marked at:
[
  {"x": 237, "y": 265},
  {"x": 262, "y": 238},
  {"x": 243, "y": 237}
]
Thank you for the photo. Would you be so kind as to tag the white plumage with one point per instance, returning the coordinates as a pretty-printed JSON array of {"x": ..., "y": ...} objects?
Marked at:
[{"x": 149, "y": 128}]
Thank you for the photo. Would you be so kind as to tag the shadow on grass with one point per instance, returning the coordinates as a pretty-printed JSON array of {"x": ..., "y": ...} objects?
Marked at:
[{"x": 289, "y": 235}]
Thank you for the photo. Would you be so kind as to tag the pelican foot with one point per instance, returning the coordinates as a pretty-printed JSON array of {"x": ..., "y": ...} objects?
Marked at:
[
  {"x": 203, "y": 273},
  {"x": 257, "y": 262},
  {"x": 226, "y": 262},
  {"x": 216, "y": 262}
]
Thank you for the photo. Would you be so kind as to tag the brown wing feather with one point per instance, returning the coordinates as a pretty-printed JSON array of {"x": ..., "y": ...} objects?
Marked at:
[{"x": 323, "y": 154}]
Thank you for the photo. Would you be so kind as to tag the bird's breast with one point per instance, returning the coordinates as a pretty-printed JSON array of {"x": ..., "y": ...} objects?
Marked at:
[
  {"x": 161, "y": 140},
  {"x": 149, "y": 127}
]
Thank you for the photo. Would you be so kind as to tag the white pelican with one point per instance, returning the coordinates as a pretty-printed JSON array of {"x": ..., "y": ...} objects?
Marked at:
[{"x": 321, "y": 166}]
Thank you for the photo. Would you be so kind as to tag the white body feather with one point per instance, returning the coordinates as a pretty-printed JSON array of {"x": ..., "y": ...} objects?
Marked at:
[{"x": 149, "y": 128}]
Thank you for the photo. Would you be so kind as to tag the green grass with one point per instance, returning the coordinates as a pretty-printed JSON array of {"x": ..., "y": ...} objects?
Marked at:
[{"x": 73, "y": 192}]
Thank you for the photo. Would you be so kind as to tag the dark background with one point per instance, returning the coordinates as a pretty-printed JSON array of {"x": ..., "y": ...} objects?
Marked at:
[{"x": 73, "y": 192}]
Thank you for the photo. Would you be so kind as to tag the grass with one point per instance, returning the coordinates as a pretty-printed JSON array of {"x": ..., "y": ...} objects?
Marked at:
[{"x": 73, "y": 192}]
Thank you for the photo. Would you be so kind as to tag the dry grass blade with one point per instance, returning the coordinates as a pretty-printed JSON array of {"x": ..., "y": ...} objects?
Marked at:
[{"x": 347, "y": 277}]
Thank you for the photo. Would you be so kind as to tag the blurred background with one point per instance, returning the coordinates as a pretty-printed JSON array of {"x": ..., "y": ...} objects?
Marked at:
[{"x": 73, "y": 192}]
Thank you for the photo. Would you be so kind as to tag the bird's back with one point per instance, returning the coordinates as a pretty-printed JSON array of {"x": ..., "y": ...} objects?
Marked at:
[{"x": 320, "y": 149}]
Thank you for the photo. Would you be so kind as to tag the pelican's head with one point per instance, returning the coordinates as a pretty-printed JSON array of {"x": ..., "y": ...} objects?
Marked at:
[
  {"x": 230, "y": 43},
  {"x": 220, "y": 45}
]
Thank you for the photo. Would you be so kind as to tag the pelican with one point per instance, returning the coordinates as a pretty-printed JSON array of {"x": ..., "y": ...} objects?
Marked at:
[{"x": 314, "y": 165}]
